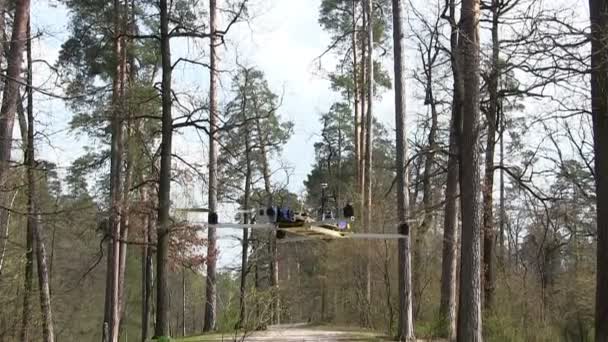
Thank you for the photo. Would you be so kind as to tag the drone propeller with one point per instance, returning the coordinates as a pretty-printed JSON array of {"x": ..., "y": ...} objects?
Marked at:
[
  {"x": 192, "y": 210},
  {"x": 366, "y": 236},
  {"x": 346, "y": 236},
  {"x": 238, "y": 225}
]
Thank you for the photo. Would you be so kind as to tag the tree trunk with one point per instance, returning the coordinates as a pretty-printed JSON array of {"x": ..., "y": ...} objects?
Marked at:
[
  {"x": 9, "y": 106},
  {"x": 501, "y": 234},
  {"x": 405, "y": 328},
  {"x": 357, "y": 137},
  {"x": 43, "y": 283},
  {"x": 211, "y": 295},
  {"x": 34, "y": 222},
  {"x": 146, "y": 263},
  {"x": 128, "y": 74},
  {"x": 245, "y": 249},
  {"x": 272, "y": 241},
  {"x": 27, "y": 291},
  {"x": 449, "y": 261},
  {"x": 183, "y": 301},
  {"x": 164, "y": 190},
  {"x": 363, "y": 102},
  {"x": 368, "y": 143},
  {"x": 4, "y": 228},
  {"x": 469, "y": 310},
  {"x": 112, "y": 311},
  {"x": 599, "y": 103},
  {"x": 29, "y": 252},
  {"x": 427, "y": 196},
  {"x": 488, "y": 201}
]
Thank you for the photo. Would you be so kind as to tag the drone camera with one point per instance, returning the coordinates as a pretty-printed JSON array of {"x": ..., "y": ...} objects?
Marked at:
[
  {"x": 349, "y": 211},
  {"x": 213, "y": 218},
  {"x": 280, "y": 234}
]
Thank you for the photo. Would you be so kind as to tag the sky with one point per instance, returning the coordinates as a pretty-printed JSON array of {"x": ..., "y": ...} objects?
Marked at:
[{"x": 283, "y": 39}]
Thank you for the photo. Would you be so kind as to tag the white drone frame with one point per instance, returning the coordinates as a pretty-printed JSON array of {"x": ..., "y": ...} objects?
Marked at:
[{"x": 335, "y": 235}]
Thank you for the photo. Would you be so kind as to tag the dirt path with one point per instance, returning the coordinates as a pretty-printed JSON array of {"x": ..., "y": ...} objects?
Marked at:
[{"x": 303, "y": 333}]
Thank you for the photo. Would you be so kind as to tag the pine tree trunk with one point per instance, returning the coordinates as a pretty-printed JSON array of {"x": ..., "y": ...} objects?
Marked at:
[
  {"x": 211, "y": 295},
  {"x": 405, "y": 330},
  {"x": 489, "y": 234},
  {"x": 112, "y": 311},
  {"x": 599, "y": 103},
  {"x": 9, "y": 106},
  {"x": 469, "y": 309},
  {"x": 164, "y": 189}
]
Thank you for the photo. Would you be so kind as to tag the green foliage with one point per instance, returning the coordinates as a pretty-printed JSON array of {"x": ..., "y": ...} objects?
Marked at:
[{"x": 253, "y": 126}]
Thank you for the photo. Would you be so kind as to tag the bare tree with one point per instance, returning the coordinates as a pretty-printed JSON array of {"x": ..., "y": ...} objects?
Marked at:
[
  {"x": 429, "y": 48},
  {"x": 469, "y": 310},
  {"x": 211, "y": 295}
]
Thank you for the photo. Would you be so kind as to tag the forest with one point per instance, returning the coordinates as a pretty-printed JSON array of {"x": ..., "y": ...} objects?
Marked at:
[{"x": 470, "y": 137}]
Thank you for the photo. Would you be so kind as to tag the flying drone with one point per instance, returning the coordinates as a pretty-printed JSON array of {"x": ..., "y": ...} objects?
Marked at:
[
  {"x": 295, "y": 226},
  {"x": 299, "y": 225}
]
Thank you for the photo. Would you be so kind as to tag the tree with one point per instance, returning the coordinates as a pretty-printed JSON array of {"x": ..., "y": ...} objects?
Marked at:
[
  {"x": 164, "y": 189},
  {"x": 211, "y": 296},
  {"x": 29, "y": 252},
  {"x": 449, "y": 259},
  {"x": 341, "y": 19},
  {"x": 599, "y": 110},
  {"x": 368, "y": 129},
  {"x": 115, "y": 273},
  {"x": 238, "y": 149},
  {"x": 428, "y": 41},
  {"x": 12, "y": 81},
  {"x": 405, "y": 328},
  {"x": 271, "y": 135},
  {"x": 469, "y": 309}
]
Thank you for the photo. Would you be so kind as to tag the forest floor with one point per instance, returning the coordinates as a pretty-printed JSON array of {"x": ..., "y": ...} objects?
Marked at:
[{"x": 295, "y": 332}]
